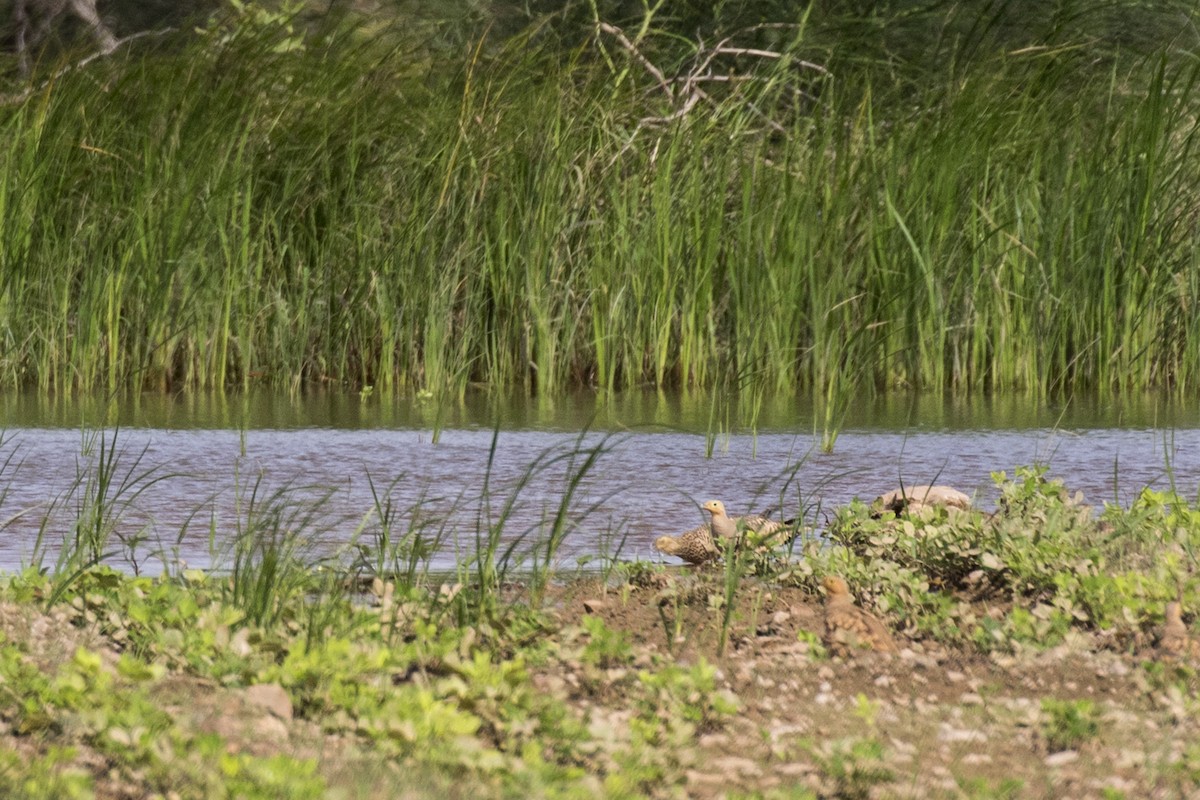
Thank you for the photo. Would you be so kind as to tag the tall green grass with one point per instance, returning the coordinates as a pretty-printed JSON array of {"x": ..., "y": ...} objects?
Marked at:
[{"x": 261, "y": 204}]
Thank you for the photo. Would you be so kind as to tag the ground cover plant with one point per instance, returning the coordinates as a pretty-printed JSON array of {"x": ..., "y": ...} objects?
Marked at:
[
  {"x": 1029, "y": 663},
  {"x": 951, "y": 197}
]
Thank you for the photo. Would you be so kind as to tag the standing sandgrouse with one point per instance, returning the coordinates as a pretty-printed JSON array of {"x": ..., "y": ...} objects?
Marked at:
[{"x": 726, "y": 527}]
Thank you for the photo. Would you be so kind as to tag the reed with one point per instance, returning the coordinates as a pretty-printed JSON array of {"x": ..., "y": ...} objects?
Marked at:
[{"x": 1006, "y": 209}]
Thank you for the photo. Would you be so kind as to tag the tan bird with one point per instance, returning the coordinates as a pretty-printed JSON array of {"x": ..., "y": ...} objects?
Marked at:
[
  {"x": 914, "y": 498},
  {"x": 1175, "y": 641},
  {"x": 695, "y": 546},
  {"x": 849, "y": 628},
  {"x": 726, "y": 527}
]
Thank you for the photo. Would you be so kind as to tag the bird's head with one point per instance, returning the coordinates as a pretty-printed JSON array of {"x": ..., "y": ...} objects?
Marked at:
[
  {"x": 834, "y": 586},
  {"x": 714, "y": 507},
  {"x": 667, "y": 544}
]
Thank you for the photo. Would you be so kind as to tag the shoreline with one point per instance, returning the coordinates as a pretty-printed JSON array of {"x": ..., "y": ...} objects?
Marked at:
[{"x": 1031, "y": 663}]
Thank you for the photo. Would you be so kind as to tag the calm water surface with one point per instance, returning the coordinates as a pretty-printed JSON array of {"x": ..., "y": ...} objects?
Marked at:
[{"x": 191, "y": 471}]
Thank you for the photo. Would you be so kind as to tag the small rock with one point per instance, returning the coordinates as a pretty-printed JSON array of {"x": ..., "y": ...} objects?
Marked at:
[
  {"x": 737, "y": 765},
  {"x": 954, "y": 676},
  {"x": 592, "y": 606},
  {"x": 949, "y": 734},
  {"x": 787, "y": 730},
  {"x": 708, "y": 779},
  {"x": 780, "y": 617},
  {"x": 884, "y": 681},
  {"x": 1061, "y": 758},
  {"x": 270, "y": 697},
  {"x": 795, "y": 770},
  {"x": 271, "y": 729},
  {"x": 1117, "y": 669},
  {"x": 970, "y": 699}
]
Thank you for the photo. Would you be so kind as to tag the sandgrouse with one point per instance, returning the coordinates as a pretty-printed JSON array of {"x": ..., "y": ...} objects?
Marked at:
[
  {"x": 1175, "y": 641},
  {"x": 848, "y": 627},
  {"x": 726, "y": 527},
  {"x": 694, "y": 546}
]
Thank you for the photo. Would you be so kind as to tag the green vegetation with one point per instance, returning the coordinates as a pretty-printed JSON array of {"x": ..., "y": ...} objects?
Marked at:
[
  {"x": 1057, "y": 563},
  {"x": 1068, "y": 723},
  {"x": 981, "y": 197},
  {"x": 853, "y": 767},
  {"x": 502, "y": 678}
]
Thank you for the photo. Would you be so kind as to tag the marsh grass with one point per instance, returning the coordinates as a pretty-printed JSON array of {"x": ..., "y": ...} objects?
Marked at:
[
  {"x": 274, "y": 551},
  {"x": 529, "y": 555},
  {"x": 734, "y": 557},
  {"x": 103, "y": 497},
  {"x": 275, "y": 204},
  {"x": 396, "y": 543}
]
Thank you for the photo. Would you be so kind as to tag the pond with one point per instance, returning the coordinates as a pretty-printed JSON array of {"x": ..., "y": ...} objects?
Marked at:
[{"x": 189, "y": 474}]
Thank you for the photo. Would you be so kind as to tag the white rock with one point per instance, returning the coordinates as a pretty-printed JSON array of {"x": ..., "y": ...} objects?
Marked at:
[{"x": 1061, "y": 758}]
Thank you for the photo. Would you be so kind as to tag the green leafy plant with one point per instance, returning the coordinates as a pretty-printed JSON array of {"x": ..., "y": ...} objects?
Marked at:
[
  {"x": 1068, "y": 723},
  {"x": 851, "y": 767},
  {"x": 605, "y": 647}
]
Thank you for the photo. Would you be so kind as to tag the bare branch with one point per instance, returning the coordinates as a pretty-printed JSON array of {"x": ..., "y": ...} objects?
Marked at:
[
  {"x": 631, "y": 48},
  {"x": 684, "y": 91},
  {"x": 25, "y": 94},
  {"x": 48, "y": 11}
]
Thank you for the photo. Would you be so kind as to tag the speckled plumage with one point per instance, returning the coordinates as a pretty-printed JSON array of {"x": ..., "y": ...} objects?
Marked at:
[
  {"x": 849, "y": 628},
  {"x": 726, "y": 527},
  {"x": 1175, "y": 641},
  {"x": 695, "y": 546}
]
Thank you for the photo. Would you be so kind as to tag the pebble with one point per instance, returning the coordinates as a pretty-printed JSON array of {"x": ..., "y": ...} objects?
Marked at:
[
  {"x": 270, "y": 728},
  {"x": 695, "y": 778},
  {"x": 795, "y": 769},
  {"x": 270, "y": 697},
  {"x": 786, "y": 730},
  {"x": 737, "y": 765},
  {"x": 949, "y": 734},
  {"x": 1062, "y": 758}
]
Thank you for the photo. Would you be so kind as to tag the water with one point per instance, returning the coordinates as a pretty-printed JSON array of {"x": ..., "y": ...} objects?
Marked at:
[{"x": 189, "y": 474}]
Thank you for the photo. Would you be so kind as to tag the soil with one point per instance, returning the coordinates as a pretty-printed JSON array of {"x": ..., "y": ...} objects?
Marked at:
[{"x": 951, "y": 723}]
